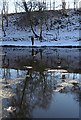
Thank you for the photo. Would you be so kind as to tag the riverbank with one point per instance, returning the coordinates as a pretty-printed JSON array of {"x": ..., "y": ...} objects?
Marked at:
[
  {"x": 40, "y": 44},
  {"x": 57, "y": 31}
]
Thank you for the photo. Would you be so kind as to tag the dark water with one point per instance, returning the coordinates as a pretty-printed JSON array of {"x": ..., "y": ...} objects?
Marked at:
[{"x": 31, "y": 82}]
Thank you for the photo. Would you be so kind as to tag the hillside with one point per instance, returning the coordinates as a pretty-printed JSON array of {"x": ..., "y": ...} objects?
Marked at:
[{"x": 57, "y": 29}]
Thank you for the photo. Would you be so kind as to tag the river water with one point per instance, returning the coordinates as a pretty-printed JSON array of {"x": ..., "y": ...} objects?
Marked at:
[{"x": 36, "y": 82}]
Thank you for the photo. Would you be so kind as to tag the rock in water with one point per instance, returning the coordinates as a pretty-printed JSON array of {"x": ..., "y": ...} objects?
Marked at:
[
  {"x": 74, "y": 82},
  {"x": 11, "y": 109}
]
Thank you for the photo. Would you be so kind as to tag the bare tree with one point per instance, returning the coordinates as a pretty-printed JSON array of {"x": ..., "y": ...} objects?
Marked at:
[
  {"x": 30, "y": 6},
  {"x": 4, "y": 14},
  {"x": 50, "y": 4},
  {"x": 75, "y": 4},
  {"x": 5, "y": 11},
  {"x": 41, "y": 7},
  {"x": 2, "y": 20},
  {"x": 15, "y": 6},
  {"x": 63, "y": 6},
  {"x": 53, "y": 4},
  {"x": 25, "y": 5},
  {"x": 29, "y": 16}
]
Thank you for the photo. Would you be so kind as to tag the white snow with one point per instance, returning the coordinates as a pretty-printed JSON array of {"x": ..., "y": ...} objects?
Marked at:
[
  {"x": 67, "y": 36},
  {"x": 38, "y": 43}
]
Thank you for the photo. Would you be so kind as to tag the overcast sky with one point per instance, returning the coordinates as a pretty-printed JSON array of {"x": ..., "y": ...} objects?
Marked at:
[{"x": 57, "y": 3}]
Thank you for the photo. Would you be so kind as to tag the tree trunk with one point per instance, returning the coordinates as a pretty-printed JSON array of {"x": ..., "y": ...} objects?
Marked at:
[
  {"x": 2, "y": 21},
  {"x": 40, "y": 29},
  {"x": 31, "y": 25},
  {"x": 34, "y": 31},
  {"x": 6, "y": 20},
  {"x": 30, "y": 20},
  {"x": 25, "y": 6},
  {"x": 41, "y": 23},
  {"x": 7, "y": 16}
]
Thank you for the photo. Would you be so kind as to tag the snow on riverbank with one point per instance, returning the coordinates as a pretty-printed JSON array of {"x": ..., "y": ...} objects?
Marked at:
[
  {"x": 66, "y": 35},
  {"x": 39, "y": 44}
]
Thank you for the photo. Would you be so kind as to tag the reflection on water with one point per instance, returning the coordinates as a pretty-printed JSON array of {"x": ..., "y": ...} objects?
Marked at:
[{"x": 40, "y": 83}]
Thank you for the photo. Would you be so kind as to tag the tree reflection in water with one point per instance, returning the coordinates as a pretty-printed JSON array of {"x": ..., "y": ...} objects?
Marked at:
[
  {"x": 36, "y": 91},
  {"x": 31, "y": 93},
  {"x": 38, "y": 86}
]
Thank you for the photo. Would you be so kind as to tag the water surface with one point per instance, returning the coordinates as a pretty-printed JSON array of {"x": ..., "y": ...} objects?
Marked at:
[{"x": 31, "y": 79}]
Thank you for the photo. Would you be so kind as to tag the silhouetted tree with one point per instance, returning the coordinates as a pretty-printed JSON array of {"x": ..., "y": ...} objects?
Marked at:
[{"x": 30, "y": 6}]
